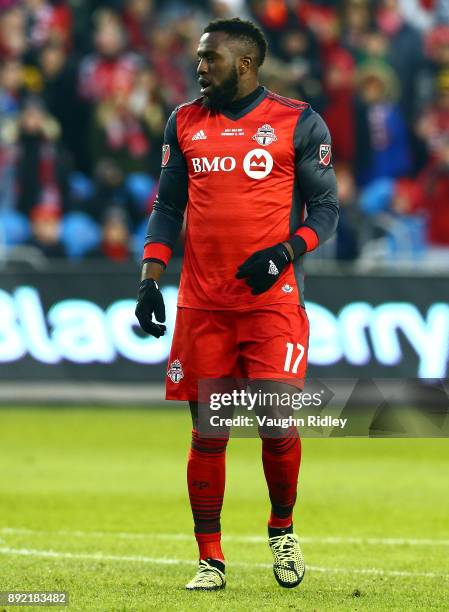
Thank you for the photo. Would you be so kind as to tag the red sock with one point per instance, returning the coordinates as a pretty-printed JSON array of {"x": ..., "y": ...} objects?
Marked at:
[
  {"x": 280, "y": 523},
  {"x": 206, "y": 482},
  {"x": 281, "y": 459},
  {"x": 209, "y": 545}
]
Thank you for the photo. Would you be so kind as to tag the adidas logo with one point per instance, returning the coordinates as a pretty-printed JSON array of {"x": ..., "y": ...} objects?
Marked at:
[
  {"x": 272, "y": 269},
  {"x": 201, "y": 135}
]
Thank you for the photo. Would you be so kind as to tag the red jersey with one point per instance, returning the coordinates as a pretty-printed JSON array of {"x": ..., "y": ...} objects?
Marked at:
[{"x": 244, "y": 175}]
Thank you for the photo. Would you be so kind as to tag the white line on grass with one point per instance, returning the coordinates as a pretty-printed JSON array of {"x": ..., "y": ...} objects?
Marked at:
[
  {"x": 53, "y": 554},
  {"x": 231, "y": 538}
]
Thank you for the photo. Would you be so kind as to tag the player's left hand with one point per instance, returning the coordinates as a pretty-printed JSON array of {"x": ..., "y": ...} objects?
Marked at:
[
  {"x": 149, "y": 301},
  {"x": 263, "y": 268}
]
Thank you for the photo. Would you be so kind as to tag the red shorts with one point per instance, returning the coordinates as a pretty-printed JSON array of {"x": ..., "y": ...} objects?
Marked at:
[{"x": 268, "y": 343}]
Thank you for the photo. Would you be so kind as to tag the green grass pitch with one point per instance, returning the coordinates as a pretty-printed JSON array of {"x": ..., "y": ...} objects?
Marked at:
[{"x": 93, "y": 501}]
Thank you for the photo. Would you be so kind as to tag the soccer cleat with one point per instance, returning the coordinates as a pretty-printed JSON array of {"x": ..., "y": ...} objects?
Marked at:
[
  {"x": 208, "y": 577},
  {"x": 288, "y": 566}
]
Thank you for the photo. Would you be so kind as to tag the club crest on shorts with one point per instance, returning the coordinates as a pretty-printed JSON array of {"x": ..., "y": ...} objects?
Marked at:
[
  {"x": 325, "y": 154},
  {"x": 165, "y": 154},
  {"x": 175, "y": 372},
  {"x": 265, "y": 135},
  {"x": 287, "y": 288}
]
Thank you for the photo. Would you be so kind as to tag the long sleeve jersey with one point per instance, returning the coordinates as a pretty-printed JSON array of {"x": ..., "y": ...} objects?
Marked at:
[{"x": 244, "y": 179}]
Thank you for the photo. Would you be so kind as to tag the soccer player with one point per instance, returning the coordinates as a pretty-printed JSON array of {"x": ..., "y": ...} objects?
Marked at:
[{"x": 243, "y": 164}]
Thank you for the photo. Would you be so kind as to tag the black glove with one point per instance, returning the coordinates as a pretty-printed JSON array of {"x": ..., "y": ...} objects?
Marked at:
[
  {"x": 150, "y": 300},
  {"x": 262, "y": 269}
]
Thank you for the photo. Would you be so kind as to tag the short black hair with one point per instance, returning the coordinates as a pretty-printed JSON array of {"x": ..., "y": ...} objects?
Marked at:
[{"x": 247, "y": 31}]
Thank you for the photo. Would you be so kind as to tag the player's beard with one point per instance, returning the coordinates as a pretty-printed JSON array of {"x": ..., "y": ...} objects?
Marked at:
[{"x": 222, "y": 95}]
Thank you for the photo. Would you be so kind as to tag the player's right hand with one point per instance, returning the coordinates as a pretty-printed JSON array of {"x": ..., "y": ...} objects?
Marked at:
[{"x": 149, "y": 301}]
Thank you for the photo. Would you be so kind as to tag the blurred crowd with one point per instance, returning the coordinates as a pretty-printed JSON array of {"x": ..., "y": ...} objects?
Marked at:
[{"x": 86, "y": 87}]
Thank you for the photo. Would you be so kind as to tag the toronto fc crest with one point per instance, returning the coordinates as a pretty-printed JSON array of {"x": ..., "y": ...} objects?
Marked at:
[
  {"x": 175, "y": 372},
  {"x": 265, "y": 135}
]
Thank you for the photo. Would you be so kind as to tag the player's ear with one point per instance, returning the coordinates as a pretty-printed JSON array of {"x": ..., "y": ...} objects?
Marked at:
[{"x": 245, "y": 64}]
